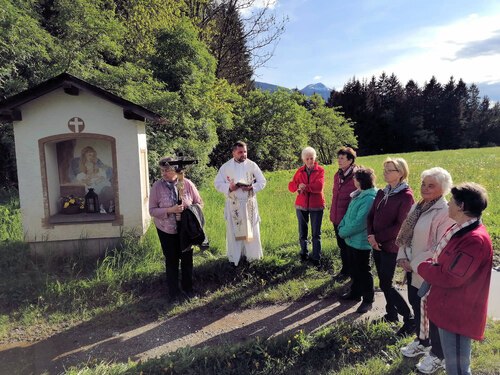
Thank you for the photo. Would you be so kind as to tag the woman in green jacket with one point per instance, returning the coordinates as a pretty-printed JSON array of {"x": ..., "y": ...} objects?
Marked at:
[{"x": 352, "y": 229}]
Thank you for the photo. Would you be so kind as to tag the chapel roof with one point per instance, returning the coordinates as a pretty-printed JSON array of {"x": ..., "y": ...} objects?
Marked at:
[{"x": 9, "y": 108}]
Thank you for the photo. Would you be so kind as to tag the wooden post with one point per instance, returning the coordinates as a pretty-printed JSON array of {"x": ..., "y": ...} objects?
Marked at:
[{"x": 180, "y": 191}]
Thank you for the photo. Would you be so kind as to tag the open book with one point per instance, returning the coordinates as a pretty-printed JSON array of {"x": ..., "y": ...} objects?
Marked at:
[{"x": 243, "y": 183}]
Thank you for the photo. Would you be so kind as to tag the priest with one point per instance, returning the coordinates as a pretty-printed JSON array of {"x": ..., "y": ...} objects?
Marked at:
[{"x": 239, "y": 180}]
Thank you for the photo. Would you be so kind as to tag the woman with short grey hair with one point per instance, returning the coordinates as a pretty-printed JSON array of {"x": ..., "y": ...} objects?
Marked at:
[
  {"x": 309, "y": 151},
  {"x": 442, "y": 177},
  {"x": 424, "y": 226},
  {"x": 308, "y": 182}
]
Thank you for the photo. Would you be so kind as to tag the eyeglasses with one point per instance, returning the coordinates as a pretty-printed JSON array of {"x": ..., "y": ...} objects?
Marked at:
[{"x": 390, "y": 170}]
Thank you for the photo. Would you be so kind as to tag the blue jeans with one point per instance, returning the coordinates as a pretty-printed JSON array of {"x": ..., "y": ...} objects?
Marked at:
[
  {"x": 316, "y": 219},
  {"x": 457, "y": 352}
]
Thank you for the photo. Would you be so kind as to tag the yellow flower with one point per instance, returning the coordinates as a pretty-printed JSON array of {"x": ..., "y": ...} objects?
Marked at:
[{"x": 71, "y": 200}]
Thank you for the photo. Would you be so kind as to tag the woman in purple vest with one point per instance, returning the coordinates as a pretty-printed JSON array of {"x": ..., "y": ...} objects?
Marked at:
[
  {"x": 343, "y": 186},
  {"x": 388, "y": 212}
]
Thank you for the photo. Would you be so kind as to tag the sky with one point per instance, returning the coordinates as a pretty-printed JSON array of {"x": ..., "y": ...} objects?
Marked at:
[{"x": 332, "y": 41}]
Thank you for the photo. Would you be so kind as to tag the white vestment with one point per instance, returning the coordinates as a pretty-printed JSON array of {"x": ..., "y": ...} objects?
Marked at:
[{"x": 241, "y": 210}]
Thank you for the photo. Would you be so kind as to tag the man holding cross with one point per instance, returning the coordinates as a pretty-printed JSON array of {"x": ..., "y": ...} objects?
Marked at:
[{"x": 239, "y": 180}]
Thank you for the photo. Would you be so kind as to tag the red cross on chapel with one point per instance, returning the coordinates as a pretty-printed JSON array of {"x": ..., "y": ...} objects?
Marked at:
[{"x": 76, "y": 125}]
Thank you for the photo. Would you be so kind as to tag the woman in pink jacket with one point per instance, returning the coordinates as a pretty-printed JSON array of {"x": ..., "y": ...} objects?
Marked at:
[
  {"x": 165, "y": 208},
  {"x": 459, "y": 276},
  {"x": 422, "y": 229}
]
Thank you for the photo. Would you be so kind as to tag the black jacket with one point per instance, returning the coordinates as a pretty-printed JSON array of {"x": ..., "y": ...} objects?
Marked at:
[{"x": 190, "y": 228}]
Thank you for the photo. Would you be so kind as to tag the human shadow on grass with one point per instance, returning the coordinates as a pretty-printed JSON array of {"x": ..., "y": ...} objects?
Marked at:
[
  {"x": 309, "y": 313},
  {"x": 100, "y": 337},
  {"x": 293, "y": 318},
  {"x": 26, "y": 281}
]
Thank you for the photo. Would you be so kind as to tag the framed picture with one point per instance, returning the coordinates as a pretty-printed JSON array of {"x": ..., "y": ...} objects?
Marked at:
[{"x": 88, "y": 163}]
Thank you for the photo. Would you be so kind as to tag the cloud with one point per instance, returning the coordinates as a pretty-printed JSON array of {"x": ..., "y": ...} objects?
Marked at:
[
  {"x": 317, "y": 78},
  {"x": 490, "y": 46},
  {"x": 460, "y": 49},
  {"x": 254, "y": 5}
]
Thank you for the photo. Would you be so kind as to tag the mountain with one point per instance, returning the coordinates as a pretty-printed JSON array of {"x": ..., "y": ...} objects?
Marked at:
[
  {"x": 316, "y": 88},
  {"x": 268, "y": 87}
]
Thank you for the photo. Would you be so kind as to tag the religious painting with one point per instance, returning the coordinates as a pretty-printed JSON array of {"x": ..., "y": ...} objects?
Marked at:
[{"x": 87, "y": 162}]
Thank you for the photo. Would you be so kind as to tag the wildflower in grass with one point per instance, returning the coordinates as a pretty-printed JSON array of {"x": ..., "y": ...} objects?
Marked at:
[{"x": 354, "y": 349}]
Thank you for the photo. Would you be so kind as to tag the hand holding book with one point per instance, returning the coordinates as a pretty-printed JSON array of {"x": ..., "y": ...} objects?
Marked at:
[{"x": 243, "y": 184}]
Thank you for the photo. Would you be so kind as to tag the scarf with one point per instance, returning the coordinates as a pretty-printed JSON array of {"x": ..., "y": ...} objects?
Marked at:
[
  {"x": 388, "y": 192},
  {"x": 426, "y": 287},
  {"x": 309, "y": 171},
  {"x": 355, "y": 193},
  {"x": 405, "y": 235},
  {"x": 172, "y": 188},
  {"x": 343, "y": 175}
]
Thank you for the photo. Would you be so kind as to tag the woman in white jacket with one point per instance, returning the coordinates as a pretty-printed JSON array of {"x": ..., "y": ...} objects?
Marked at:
[{"x": 424, "y": 226}]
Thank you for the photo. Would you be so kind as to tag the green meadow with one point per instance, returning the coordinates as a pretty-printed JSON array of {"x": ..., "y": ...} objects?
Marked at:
[
  {"x": 276, "y": 203},
  {"x": 39, "y": 297}
]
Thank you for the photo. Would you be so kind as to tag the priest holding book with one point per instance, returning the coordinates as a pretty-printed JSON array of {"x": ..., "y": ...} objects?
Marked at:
[{"x": 239, "y": 180}]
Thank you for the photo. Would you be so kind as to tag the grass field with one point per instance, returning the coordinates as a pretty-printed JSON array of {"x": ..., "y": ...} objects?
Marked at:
[
  {"x": 50, "y": 295},
  {"x": 276, "y": 203}
]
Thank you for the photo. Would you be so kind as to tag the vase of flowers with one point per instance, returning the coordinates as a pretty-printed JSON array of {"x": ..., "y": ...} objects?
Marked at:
[{"x": 72, "y": 205}]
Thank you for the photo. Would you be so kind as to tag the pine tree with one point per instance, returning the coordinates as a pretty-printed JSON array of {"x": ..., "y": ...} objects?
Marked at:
[{"x": 229, "y": 47}]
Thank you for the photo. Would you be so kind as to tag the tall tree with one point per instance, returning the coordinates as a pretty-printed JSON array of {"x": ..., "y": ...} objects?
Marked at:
[
  {"x": 449, "y": 129},
  {"x": 89, "y": 34},
  {"x": 198, "y": 103},
  {"x": 412, "y": 120},
  {"x": 389, "y": 115},
  {"x": 144, "y": 19},
  {"x": 431, "y": 103},
  {"x": 331, "y": 130},
  {"x": 492, "y": 134},
  {"x": 242, "y": 34},
  {"x": 274, "y": 125},
  {"x": 27, "y": 51},
  {"x": 230, "y": 47}
]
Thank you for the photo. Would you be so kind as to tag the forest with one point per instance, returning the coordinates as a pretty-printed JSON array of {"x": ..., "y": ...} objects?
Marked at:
[
  {"x": 389, "y": 117},
  {"x": 192, "y": 62}
]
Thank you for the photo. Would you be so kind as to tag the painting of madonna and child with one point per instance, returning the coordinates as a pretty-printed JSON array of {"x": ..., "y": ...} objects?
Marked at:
[{"x": 84, "y": 164}]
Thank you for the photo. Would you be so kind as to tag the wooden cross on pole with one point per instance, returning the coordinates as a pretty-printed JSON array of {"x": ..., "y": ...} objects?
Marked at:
[{"x": 180, "y": 165}]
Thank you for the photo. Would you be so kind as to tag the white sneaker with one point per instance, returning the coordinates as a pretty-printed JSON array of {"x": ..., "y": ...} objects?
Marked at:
[
  {"x": 429, "y": 364},
  {"x": 414, "y": 349}
]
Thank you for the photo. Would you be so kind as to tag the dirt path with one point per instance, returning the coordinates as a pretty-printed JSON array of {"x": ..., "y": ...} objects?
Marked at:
[
  {"x": 200, "y": 327},
  {"x": 97, "y": 341}
]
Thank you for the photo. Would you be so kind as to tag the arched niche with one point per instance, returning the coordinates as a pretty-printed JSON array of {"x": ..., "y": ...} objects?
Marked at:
[{"x": 70, "y": 164}]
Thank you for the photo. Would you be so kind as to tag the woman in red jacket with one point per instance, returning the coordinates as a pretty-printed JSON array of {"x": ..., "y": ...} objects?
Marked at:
[
  {"x": 459, "y": 274},
  {"x": 388, "y": 212},
  {"x": 308, "y": 183}
]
